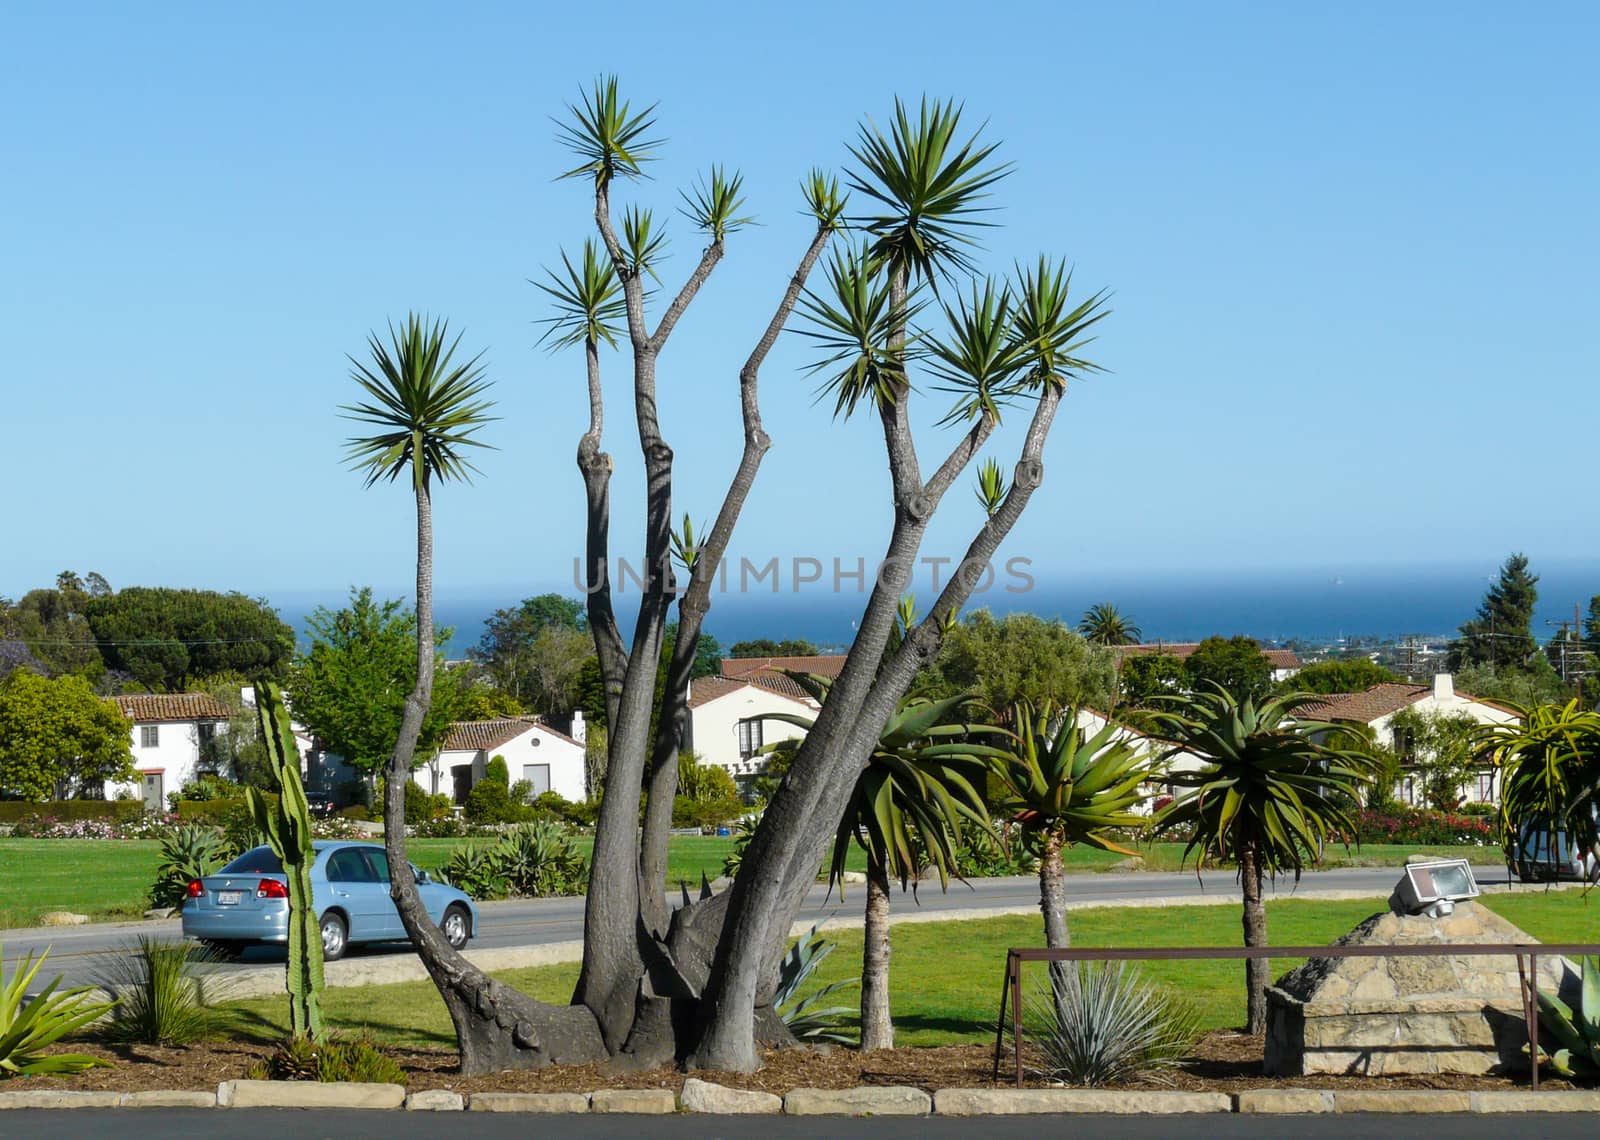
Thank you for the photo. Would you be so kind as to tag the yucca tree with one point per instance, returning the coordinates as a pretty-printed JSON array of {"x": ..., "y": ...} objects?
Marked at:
[
  {"x": 1104, "y": 624},
  {"x": 920, "y": 782},
  {"x": 427, "y": 409},
  {"x": 1268, "y": 797},
  {"x": 1061, "y": 788},
  {"x": 1549, "y": 759}
]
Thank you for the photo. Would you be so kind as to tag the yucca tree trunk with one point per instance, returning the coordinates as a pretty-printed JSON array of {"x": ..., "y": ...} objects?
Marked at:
[
  {"x": 1257, "y": 971},
  {"x": 1053, "y": 894},
  {"x": 877, "y": 1026}
]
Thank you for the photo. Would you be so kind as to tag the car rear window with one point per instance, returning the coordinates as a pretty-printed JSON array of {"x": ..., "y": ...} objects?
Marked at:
[{"x": 256, "y": 861}]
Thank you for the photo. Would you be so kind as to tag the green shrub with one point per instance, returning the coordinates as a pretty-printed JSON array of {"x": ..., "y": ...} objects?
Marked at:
[
  {"x": 337, "y": 1059},
  {"x": 1095, "y": 1023},
  {"x": 214, "y": 811},
  {"x": 158, "y": 1001},
  {"x": 489, "y": 801},
  {"x": 207, "y": 787},
  {"x": 475, "y": 868},
  {"x": 539, "y": 860},
  {"x": 69, "y": 810},
  {"x": 188, "y": 852},
  {"x": 355, "y": 811},
  {"x": 497, "y": 772}
]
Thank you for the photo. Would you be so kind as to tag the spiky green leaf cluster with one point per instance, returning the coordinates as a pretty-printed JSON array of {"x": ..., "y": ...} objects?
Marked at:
[
  {"x": 607, "y": 135},
  {"x": 1059, "y": 784},
  {"x": 928, "y": 186},
  {"x": 588, "y": 300},
  {"x": 1575, "y": 1032},
  {"x": 685, "y": 547},
  {"x": 824, "y": 199},
  {"x": 992, "y": 487},
  {"x": 30, "y": 1025},
  {"x": 852, "y": 321},
  {"x": 713, "y": 206},
  {"x": 1550, "y": 759},
  {"x": 1048, "y": 335},
  {"x": 643, "y": 241},
  {"x": 429, "y": 406},
  {"x": 1266, "y": 785}
]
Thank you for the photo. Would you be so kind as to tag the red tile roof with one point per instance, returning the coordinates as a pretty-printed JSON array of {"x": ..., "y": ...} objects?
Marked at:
[
  {"x": 146, "y": 707},
  {"x": 484, "y": 735},
  {"x": 826, "y": 666},
  {"x": 1280, "y": 658},
  {"x": 704, "y": 690},
  {"x": 1369, "y": 704}
]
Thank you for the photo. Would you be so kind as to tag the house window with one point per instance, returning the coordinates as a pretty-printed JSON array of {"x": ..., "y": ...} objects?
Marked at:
[
  {"x": 1485, "y": 787},
  {"x": 538, "y": 775},
  {"x": 749, "y": 738},
  {"x": 1408, "y": 790},
  {"x": 149, "y": 736},
  {"x": 1403, "y": 742}
]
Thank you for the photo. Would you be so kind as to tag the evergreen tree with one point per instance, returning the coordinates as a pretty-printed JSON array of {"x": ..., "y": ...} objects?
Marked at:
[{"x": 1502, "y": 634}]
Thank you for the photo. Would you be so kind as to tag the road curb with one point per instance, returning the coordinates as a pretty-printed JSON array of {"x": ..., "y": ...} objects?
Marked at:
[{"x": 862, "y": 1101}]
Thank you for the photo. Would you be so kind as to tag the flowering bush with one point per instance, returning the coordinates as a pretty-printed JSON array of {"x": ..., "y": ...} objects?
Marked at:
[
  {"x": 49, "y": 827},
  {"x": 1424, "y": 828}
]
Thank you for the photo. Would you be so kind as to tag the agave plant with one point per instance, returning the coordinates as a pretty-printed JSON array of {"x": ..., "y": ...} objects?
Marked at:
[
  {"x": 188, "y": 852},
  {"x": 475, "y": 868},
  {"x": 808, "y": 1018},
  {"x": 539, "y": 859},
  {"x": 28, "y": 1029},
  {"x": 1099, "y": 1022},
  {"x": 1576, "y": 1031}
]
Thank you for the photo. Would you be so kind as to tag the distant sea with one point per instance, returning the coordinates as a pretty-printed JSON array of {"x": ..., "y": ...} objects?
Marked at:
[{"x": 1318, "y": 605}]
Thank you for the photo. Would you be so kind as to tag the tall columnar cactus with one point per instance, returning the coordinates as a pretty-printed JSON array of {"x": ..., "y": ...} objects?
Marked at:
[{"x": 288, "y": 829}]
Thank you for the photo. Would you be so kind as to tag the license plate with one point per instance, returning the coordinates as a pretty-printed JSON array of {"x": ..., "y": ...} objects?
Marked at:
[{"x": 229, "y": 898}]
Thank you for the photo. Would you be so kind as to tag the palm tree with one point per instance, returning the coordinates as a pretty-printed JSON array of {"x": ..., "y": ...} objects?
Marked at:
[
  {"x": 1267, "y": 798},
  {"x": 426, "y": 409},
  {"x": 1104, "y": 624},
  {"x": 918, "y": 785},
  {"x": 1549, "y": 759},
  {"x": 1061, "y": 788}
]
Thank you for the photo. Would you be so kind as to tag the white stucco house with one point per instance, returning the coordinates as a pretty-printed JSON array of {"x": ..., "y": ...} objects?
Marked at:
[
  {"x": 1376, "y": 707},
  {"x": 727, "y": 725},
  {"x": 171, "y": 732},
  {"x": 548, "y": 759}
]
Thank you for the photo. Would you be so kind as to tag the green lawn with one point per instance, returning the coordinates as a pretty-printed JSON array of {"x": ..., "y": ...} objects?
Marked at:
[
  {"x": 108, "y": 879},
  {"x": 945, "y": 977}
]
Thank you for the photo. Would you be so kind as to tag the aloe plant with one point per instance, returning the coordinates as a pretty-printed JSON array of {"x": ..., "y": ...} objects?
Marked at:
[
  {"x": 287, "y": 825},
  {"x": 808, "y": 1018},
  {"x": 27, "y": 1029},
  {"x": 1576, "y": 1031}
]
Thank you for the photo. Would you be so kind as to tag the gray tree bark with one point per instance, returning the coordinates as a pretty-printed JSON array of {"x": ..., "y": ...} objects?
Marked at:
[
  {"x": 877, "y": 1024},
  {"x": 1257, "y": 971}
]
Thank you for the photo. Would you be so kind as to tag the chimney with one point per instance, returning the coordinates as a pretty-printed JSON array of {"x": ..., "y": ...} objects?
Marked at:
[
  {"x": 1443, "y": 688},
  {"x": 580, "y": 731}
]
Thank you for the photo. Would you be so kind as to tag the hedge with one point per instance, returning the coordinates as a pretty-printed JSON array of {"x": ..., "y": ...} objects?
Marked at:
[
  {"x": 69, "y": 810},
  {"x": 215, "y": 811}
]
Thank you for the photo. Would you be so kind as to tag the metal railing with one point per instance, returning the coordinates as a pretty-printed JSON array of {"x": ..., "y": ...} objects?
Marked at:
[{"x": 1011, "y": 991}]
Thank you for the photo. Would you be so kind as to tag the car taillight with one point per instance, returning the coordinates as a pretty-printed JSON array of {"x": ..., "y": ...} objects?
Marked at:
[
  {"x": 196, "y": 889},
  {"x": 271, "y": 889}
]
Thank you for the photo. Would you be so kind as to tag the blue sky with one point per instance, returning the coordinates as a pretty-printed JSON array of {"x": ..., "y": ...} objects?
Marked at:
[{"x": 1352, "y": 250}]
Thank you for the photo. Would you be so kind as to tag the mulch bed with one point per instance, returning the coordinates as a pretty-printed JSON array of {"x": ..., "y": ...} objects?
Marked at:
[{"x": 1222, "y": 1062}]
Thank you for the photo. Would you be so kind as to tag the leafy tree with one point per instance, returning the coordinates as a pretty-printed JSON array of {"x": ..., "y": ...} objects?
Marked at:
[
  {"x": 1232, "y": 663},
  {"x": 1525, "y": 687},
  {"x": 1268, "y": 798},
  {"x": 166, "y": 638},
  {"x": 1550, "y": 760},
  {"x": 1441, "y": 748},
  {"x": 1501, "y": 634},
  {"x": 1339, "y": 675},
  {"x": 1020, "y": 657},
  {"x": 58, "y": 739},
  {"x": 521, "y": 645},
  {"x": 766, "y": 647},
  {"x": 1145, "y": 677},
  {"x": 1104, "y": 624},
  {"x": 1064, "y": 789},
  {"x": 52, "y": 626},
  {"x": 350, "y": 687},
  {"x": 922, "y": 182},
  {"x": 483, "y": 702}
]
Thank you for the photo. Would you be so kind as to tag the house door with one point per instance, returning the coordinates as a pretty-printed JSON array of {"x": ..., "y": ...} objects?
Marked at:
[
  {"x": 155, "y": 800},
  {"x": 461, "y": 779}
]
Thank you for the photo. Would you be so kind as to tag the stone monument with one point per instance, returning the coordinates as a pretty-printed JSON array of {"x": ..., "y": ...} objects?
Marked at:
[{"x": 1387, "y": 1016}]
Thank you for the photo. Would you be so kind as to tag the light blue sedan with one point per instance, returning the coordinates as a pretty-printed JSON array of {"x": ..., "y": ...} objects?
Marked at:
[{"x": 247, "y": 902}]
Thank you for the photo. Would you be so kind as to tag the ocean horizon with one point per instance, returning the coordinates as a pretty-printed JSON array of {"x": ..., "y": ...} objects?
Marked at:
[{"x": 1318, "y": 605}]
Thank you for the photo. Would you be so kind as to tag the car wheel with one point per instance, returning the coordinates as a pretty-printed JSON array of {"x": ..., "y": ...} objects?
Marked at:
[
  {"x": 227, "y": 949},
  {"x": 334, "y": 937},
  {"x": 456, "y": 927}
]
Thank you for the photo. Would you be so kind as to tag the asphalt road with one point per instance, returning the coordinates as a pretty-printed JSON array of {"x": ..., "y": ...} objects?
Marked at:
[
  {"x": 77, "y": 951},
  {"x": 274, "y": 1124}
]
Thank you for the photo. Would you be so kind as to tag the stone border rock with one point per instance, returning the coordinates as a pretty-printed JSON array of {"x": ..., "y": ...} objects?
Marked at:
[{"x": 704, "y": 1097}]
